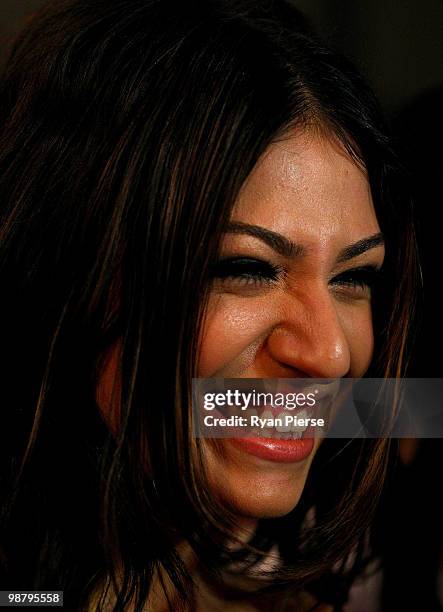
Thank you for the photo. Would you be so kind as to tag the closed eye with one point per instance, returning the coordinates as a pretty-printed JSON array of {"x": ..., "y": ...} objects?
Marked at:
[
  {"x": 251, "y": 272},
  {"x": 246, "y": 271},
  {"x": 362, "y": 279}
]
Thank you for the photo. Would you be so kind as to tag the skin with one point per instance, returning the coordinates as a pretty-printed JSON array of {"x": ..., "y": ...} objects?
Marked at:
[{"x": 307, "y": 189}]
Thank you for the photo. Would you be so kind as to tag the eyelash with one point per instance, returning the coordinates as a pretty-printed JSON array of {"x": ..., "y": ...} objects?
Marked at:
[
  {"x": 247, "y": 272},
  {"x": 364, "y": 278},
  {"x": 255, "y": 273}
]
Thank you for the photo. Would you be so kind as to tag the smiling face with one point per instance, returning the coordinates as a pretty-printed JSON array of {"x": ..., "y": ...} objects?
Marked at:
[{"x": 291, "y": 297}]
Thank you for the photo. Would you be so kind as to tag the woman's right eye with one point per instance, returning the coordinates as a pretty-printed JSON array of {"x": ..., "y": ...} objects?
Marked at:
[{"x": 246, "y": 272}]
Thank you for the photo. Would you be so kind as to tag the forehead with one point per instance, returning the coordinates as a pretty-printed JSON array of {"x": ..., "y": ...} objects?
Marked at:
[{"x": 307, "y": 186}]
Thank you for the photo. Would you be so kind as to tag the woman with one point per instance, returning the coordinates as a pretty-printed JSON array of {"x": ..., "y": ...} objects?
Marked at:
[{"x": 188, "y": 189}]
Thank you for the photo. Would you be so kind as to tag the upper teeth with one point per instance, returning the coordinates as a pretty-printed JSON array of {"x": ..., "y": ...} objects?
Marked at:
[
  {"x": 299, "y": 428},
  {"x": 283, "y": 427},
  {"x": 286, "y": 430}
]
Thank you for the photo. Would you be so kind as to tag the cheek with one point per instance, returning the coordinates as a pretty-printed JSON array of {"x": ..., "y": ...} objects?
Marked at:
[
  {"x": 357, "y": 326},
  {"x": 232, "y": 333}
]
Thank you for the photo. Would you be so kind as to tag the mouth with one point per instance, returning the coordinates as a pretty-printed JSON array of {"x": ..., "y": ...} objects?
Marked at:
[
  {"x": 278, "y": 430},
  {"x": 280, "y": 437},
  {"x": 272, "y": 423}
]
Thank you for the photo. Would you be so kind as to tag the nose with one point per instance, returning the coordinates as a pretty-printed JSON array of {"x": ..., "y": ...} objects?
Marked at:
[{"x": 309, "y": 339}]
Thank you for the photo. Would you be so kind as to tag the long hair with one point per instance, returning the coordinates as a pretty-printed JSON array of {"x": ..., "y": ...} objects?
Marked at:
[{"x": 127, "y": 130}]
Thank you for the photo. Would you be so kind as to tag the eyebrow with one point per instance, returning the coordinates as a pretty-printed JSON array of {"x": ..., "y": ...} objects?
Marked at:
[
  {"x": 286, "y": 248},
  {"x": 353, "y": 250},
  {"x": 280, "y": 244}
]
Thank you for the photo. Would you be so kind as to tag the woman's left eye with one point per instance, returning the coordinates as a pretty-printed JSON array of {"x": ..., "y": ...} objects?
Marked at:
[
  {"x": 362, "y": 279},
  {"x": 246, "y": 272}
]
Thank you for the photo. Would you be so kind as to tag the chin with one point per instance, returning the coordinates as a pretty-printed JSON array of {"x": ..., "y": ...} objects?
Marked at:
[
  {"x": 260, "y": 502},
  {"x": 253, "y": 488}
]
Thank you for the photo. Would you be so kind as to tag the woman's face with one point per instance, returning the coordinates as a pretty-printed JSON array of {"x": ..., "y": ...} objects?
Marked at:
[{"x": 282, "y": 310}]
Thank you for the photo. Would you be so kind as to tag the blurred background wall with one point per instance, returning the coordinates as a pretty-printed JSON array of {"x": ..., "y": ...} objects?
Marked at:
[{"x": 398, "y": 45}]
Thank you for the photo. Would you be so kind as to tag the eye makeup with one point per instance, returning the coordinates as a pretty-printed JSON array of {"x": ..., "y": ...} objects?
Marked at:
[
  {"x": 255, "y": 272},
  {"x": 362, "y": 277},
  {"x": 247, "y": 271}
]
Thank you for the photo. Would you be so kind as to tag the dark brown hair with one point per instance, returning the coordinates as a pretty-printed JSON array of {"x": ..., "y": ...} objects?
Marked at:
[{"x": 127, "y": 130}]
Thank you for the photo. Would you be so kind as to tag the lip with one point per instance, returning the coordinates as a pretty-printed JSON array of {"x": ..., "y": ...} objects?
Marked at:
[
  {"x": 276, "y": 450},
  {"x": 322, "y": 388}
]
